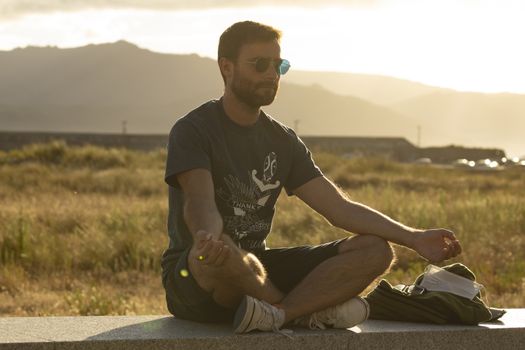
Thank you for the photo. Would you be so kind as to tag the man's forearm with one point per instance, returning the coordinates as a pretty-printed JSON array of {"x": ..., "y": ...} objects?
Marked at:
[
  {"x": 360, "y": 219},
  {"x": 203, "y": 215}
]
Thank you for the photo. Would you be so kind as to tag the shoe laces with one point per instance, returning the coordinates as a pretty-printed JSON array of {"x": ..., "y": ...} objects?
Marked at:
[
  {"x": 328, "y": 318},
  {"x": 272, "y": 317}
]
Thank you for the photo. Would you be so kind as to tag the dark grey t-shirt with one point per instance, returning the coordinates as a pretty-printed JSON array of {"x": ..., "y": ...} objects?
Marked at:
[{"x": 249, "y": 166}]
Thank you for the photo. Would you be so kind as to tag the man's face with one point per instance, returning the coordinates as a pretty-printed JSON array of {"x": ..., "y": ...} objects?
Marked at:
[{"x": 249, "y": 85}]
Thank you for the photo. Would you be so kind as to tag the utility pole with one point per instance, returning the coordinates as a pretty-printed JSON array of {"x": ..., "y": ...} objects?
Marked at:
[
  {"x": 296, "y": 125},
  {"x": 124, "y": 127},
  {"x": 419, "y": 136}
]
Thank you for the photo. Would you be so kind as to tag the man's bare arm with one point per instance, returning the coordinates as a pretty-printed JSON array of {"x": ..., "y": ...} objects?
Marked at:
[
  {"x": 200, "y": 210},
  {"x": 202, "y": 217},
  {"x": 325, "y": 198}
]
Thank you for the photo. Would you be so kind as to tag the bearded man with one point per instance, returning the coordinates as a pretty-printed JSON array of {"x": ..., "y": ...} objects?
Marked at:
[{"x": 227, "y": 164}]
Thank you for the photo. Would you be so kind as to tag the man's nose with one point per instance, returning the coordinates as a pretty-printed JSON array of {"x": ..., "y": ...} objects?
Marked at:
[{"x": 271, "y": 73}]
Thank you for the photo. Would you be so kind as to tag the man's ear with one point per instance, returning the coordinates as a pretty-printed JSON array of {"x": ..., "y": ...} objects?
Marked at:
[{"x": 226, "y": 67}]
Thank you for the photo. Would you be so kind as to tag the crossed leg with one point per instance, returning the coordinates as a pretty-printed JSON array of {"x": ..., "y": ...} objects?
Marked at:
[{"x": 360, "y": 260}]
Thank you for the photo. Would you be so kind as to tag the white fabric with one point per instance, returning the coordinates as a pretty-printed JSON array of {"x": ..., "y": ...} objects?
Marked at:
[{"x": 440, "y": 280}]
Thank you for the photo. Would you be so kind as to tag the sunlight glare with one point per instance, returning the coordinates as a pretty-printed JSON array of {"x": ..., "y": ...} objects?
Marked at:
[{"x": 460, "y": 45}]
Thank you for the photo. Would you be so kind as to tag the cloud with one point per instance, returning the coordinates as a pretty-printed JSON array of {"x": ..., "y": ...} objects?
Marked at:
[{"x": 15, "y": 8}]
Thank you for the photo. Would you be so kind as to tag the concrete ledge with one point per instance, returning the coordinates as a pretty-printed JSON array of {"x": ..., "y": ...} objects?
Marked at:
[{"x": 165, "y": 332}]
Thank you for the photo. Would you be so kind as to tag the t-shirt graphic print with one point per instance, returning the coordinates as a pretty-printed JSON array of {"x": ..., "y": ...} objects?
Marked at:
[{"x": 247, "y": 199}]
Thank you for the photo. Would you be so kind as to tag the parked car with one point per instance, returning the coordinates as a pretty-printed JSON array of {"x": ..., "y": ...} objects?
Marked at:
[
  {"x": 515, "y": 162},
  {"x": 487, "y": 165},
  {"x": 423, "y": 161},
  {"x": 464, "y": 163}
]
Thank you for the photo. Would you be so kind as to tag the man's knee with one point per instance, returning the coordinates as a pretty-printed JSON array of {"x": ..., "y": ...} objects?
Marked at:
[
  {"x": 382, "y": 254},
  {"x": 242, "y": 257}
]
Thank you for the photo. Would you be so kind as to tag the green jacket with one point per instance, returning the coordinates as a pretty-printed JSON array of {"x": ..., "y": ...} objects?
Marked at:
[{"x": 411, "y": 303}]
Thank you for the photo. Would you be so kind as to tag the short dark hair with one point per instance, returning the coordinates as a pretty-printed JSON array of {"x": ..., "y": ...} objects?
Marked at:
[{"x": 242, "y": 33}]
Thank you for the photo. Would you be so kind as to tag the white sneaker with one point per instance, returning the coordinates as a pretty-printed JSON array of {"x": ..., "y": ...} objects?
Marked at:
[
  {"x": 345, "y": 315},
  {"x": 255, "y": 314}
]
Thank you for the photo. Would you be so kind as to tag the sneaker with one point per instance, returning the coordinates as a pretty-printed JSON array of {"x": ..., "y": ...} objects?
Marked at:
[
  {"x": 253, "y": 314},
  {"x": 345, "y": 315}
]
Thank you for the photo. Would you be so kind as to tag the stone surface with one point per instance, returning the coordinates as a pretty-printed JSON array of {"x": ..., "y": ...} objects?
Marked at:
[{"x": 165, "y": 332}]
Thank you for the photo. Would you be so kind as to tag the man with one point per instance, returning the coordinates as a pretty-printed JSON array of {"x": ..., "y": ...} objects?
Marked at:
[{"x": 227, "y": 163}]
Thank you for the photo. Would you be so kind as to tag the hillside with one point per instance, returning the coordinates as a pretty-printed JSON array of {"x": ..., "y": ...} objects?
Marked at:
[
  {"x": 96, "y": 87},
  {"x": 107, "y": 74},
  {"x": 374, "y": 88},
  {"x": 320, "y": 112},
  {"x": 470, "y": 117}
]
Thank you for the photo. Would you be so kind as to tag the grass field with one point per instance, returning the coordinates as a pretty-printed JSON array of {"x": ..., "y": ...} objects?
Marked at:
[{"x": 82, "y": 229}]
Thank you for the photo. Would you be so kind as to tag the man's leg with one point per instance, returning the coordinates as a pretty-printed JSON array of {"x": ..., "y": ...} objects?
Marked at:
[
  {"x": 360, "y": 260},
  {"x": 241, "y": 274}
]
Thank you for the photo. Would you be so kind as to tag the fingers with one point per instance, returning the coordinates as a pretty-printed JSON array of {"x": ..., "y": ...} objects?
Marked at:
[
  {"x": 436, "y": 245},
  {"x": 222, "y": 256},
  {"x": 206, "y": 248},
  {"x": 450, "y": 245},
  {"x": 456, "y": 246},
  {"x": 212, "y": 252},
  {"x": 201, "y": 237},
  {"x": 448, "y": 234},
  {"x": 453, "y": 246},
  {"x": 447, "y": 252}
]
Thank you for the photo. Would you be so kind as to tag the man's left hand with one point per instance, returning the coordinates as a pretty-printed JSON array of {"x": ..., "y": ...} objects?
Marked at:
[{"x": 436, "y": 245}]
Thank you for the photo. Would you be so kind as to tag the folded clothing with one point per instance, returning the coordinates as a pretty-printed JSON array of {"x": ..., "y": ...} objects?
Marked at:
[{"x": 413, "y": 303}]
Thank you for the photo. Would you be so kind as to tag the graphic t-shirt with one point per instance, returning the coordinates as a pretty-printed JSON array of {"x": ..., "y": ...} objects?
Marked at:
[{"x": 249, "y": 166}]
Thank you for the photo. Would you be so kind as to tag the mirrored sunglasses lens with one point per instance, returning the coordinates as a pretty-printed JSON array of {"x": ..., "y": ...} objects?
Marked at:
[{"x": 283, "y": 67}]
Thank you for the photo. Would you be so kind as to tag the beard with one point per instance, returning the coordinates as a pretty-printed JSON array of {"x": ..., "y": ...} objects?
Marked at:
[{"x": 254, "y": 94}]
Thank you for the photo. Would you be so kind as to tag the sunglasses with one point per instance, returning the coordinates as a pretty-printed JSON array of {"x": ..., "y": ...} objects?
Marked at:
[{"x": 262, "y": 64}]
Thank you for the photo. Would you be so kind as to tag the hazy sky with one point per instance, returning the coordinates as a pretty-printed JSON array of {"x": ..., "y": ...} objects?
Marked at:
[{"x": 462, "y": 44}]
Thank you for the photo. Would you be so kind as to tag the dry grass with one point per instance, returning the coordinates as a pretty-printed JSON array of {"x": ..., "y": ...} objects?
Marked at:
[{"x": 82, "y": 229}]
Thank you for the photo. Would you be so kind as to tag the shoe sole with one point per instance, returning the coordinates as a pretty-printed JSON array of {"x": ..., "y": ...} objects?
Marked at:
[{"x": 243, "y": 316}]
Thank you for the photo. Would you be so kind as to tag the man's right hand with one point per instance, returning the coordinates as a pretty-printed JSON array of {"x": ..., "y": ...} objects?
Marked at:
[{"x": 209, "y": 251}]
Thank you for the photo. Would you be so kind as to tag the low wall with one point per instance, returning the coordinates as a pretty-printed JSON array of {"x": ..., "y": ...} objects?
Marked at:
[
  {"x": 165, "y": 332},
  {"x": 396, "y": 148}
]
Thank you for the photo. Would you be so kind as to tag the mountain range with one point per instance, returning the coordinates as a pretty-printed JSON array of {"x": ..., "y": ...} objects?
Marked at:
[{"x": 96, "y": 88}]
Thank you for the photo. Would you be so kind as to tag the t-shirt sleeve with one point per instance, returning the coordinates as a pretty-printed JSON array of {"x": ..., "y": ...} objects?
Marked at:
[
  {"x": 187, "y": 149},
  {"x": 303, "y": 167}
]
